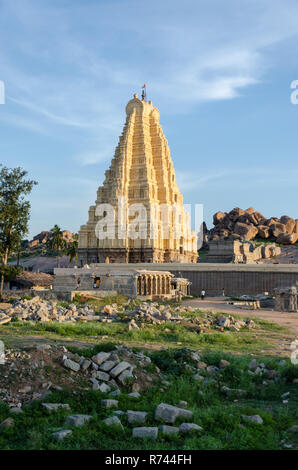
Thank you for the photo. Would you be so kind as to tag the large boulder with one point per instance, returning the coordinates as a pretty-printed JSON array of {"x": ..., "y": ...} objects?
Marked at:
[
  {"x": 250, "y": 210},
  {"x": 246, "y": 231},
  {"x": 218, "y": 217},
  {"x": 287, "y": 239},
  {"x": 289, "y": 223},
  {"x": 258, "y": 217},
  {"x": 246, "y": 224},
  {"x": 278, "y": 228},
  {"x": 271, "y": 221},
  {"x": 235, "y": 213},
  {"x": 264, "y": 231}
]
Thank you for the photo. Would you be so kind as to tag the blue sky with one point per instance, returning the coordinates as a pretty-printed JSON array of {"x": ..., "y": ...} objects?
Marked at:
[{"x": 220, "y": 73}]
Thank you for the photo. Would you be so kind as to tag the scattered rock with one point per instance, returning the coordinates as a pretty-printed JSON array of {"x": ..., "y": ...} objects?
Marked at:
[
  {"x": 169, "y": 413},
  {"x": 101, "y": 357},
  {"x": 120, "y": 368},
  {"x": 108, "y": 365},
  {"x": 55, "y": 406},
  {"x": 253, "y": 419},
  {"x": 182, "y": 404},
  {"x": 134, "y": 395},
  {"x": 60, "y": 435},
  {"x": 109, "y": 403},
  {"x": 168, "y": 430},
  {"x": 69, "y": 364},
  {"x": 144, "y": 432},
  {"x": 7, "y": 423},
  {"x": 136, "y": 417},
  {"x": 76, "y": 420},
  {"x": 113, "y": 421},
  {"x": 185, "y": 428}
]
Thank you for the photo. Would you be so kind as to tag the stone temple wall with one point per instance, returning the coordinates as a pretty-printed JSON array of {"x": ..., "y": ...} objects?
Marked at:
[{"x": 235, "y": 279}]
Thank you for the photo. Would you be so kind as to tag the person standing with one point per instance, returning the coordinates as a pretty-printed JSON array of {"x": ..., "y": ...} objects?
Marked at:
[
  {"x": 203, "y": 293},
  {"x": 223, "y": 292}
]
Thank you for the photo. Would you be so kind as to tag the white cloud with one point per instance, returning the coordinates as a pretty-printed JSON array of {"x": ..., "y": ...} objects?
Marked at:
[
  {"x": 189, "y": 52},
  {"x": 252, "y": 177}
]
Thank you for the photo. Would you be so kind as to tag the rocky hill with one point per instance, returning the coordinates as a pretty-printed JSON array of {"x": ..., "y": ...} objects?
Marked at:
[
  {"x": 250, "y": 224},
  {"x": 45, "y": 236}
]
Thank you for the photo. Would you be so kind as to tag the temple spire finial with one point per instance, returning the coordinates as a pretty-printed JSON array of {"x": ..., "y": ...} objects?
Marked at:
[{"x": 144, "y": 93}]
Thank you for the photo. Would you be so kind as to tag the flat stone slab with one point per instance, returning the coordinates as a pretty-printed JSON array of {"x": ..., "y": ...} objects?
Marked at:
[
  {"x": 60, "y": 435},
  {"x": 144, "y": 432},
  {"x": 184, "y": 428},
  {"x": 168, "y": 430},
  {"x": 76, "y": 420},
  {"x": 55, "y": 406},
  {"x": 109, "y": 403},
  {"x": 121, "y": 367},
  {"x": 136, "y": 417},
  {"x": 102, "y": 376},
  {"x": 85, "y": 364},
  {"x": 169, "y": 413},
  {"x": 125, "y": 376},
  {"x": 69, "y": 364},
  {"x": 101, "y": 357},
  {"x": 113, "y": 421},
  {"x": 108, "y": 365}
]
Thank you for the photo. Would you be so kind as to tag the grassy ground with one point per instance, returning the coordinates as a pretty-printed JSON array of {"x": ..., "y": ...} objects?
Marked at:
[
  {"x": 168, "y": 335},
  {"x": 220, "y": 417}
]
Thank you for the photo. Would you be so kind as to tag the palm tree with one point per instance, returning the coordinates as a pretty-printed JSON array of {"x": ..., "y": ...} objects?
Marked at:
[
  {"x": 72, "y": 249},
  {"x": 57, "y": 242}
]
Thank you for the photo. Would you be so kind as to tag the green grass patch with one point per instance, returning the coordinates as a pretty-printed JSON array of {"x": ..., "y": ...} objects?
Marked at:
[
  {"x": 167, "y": 334},
  {"x": 219, "y": 415}
]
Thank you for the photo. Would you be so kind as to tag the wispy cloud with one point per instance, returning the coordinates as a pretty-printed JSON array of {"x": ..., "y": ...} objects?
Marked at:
[
  {"x": 255, "y": 176},
  {"x": 53, "y": 117},
  {"x": 188, "y": 54}
]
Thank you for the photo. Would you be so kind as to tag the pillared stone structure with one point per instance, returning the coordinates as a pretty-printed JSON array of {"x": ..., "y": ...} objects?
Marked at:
[{"x": 141, "y": 172}]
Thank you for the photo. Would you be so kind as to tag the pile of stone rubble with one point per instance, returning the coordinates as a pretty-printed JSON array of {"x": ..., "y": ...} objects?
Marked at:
[
  {"x": 36, "y": 309},
  {"x": 108, "y": 373},
  {"x": 151, "y": 313},
  {"x": 24, "y": 374}
]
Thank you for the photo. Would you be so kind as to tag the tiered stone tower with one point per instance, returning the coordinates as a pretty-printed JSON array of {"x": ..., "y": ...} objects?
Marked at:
[{"x": 142, "y": 172}]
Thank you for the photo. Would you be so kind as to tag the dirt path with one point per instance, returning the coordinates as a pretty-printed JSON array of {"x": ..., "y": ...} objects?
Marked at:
[{"x": 217, "y": 304}]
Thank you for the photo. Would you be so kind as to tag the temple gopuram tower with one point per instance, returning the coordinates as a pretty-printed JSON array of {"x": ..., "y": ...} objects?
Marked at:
[{"x": 141, "y": 172}]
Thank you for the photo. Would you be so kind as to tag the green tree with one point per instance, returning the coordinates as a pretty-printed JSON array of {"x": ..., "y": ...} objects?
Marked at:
[
  {"x": 57, "y": 242},
  {"x": 14, "y": 212},
  {"x": 72, "y": 249}
]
